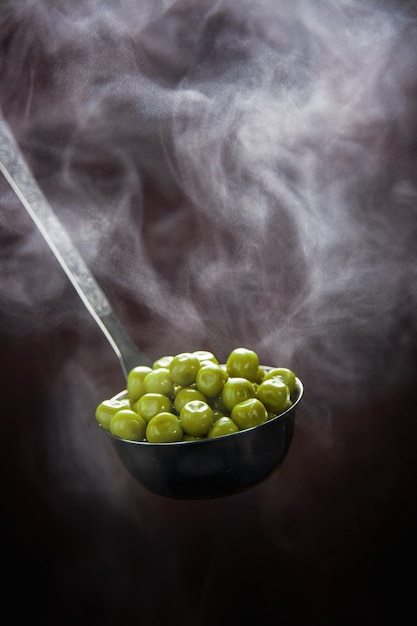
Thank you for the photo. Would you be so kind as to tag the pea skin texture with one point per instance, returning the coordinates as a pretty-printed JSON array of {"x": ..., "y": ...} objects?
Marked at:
[
  {"x": 274, "y": 394},
  {"x": 243, "y": 363},
  {"x": 236, "y": 390},
  {"x": 184, "y": 368},
  {"x": 135, "y": 381},
  {"x": 186, "y": 394},
  {"x": 222, "y": 426},
  {"x": 159, "y": 381},
  {"x": 196, "y": 418},
  {"x": 150, "y": 404},
  {"x": 127, "y": 424},
  {"x": 107, "y": 409},
  {"x": 164, "y": 428},
  {"x": 285, "y": 374},
  {"x": 210, "y": 379},
  {"x": 204, "y": 356},
  {"x": 164, "y": 361},
  {"x": 249, "y": 413}
]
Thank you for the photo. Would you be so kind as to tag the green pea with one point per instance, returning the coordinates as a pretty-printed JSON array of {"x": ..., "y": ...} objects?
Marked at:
[
  {"x": 108, "y": 408},
  {"x": 184, "y": 368},
  {"x": 243, "y": 363},
  {"x": 285, "y": 374},
  {"x": 150, "y": 404},
  {"x": 274, "y": 394},
  {"x": 159, "y": 381},
  {"x": 186, "y": 394},
  {"x": 222, "y": 426},
  {"x": 210, "y": 379},
  {"x": 164, "y": 361},
  {"x": 196, "y": 418},
  {"x": 217, "y": 404},
  {"x": 164, "y": 428},
  {"x": 260, "y": 375},
  {"x": 134, "y": 384},
  {"x": 126, "y": 424},
  {"x": 249, "y": 413},
  {"x": 191, "y": 438},
  {"x": 236, "y": 389},
  {"x": 205, "y": 355}
]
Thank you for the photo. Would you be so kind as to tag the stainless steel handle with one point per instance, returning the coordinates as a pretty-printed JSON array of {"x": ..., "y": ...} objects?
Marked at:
[{"x": 17, "y": 173}]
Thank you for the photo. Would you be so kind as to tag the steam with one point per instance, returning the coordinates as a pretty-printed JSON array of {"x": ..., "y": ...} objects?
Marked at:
[
  {"x": 266, "y": 142},
  {"x": 281, "y": 144},
  {"x": 233, "y": 173},
  {"x": 242, "y": 176}
]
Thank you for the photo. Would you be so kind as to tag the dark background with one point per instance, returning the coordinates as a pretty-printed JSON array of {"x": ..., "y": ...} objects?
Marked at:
[{"x": 331, "y": 537}]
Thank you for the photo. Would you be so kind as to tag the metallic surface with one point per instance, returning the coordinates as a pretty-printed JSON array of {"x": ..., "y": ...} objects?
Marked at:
[{"x": 210, "y": 467}]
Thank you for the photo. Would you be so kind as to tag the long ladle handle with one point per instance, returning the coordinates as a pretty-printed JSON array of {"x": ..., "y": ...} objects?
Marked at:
[{"x": 17, "y": 173}]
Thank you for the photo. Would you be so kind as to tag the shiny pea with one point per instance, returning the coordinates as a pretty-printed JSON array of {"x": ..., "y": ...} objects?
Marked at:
[
  {"x": 150, "y": 404},
  {"x": 210, "y": 379},
  {"x": 243, "y": 363},
  {"x": 164, "y": 428},
  {"x": 108, "y": 408},
  {"x": 134, "y": 383},
  {"x": 285, "y": 374},
  {"x": 249, "y": 413},
  {"x": 184, "y": 368},
  {"x": 274, "y": 394},
  {"x": 196, "y": 418},
  {"x": 159, "y": 381},
  {"x": 186, "y": 394},
  {"x": 236, "y": 389},
  {"x": 127, "y": 424},
  {"x": 222, "y": 426}
]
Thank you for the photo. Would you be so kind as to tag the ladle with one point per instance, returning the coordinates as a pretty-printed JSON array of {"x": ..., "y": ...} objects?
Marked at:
[
  {"x": 187, "y": 469},
  {"x": 17, "y": 173}
]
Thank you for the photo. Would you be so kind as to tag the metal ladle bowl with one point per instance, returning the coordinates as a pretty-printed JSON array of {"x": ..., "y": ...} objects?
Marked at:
[
  {"x": 192, "y": 469},
  {"x": 210, "y": 467}
]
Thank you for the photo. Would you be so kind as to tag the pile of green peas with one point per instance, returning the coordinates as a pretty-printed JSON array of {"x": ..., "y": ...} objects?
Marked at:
[{"x": 191, "y": 396}]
